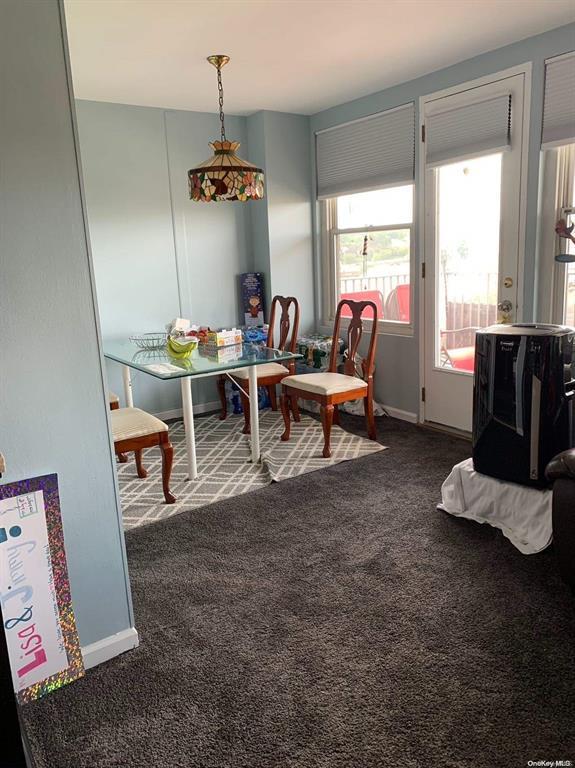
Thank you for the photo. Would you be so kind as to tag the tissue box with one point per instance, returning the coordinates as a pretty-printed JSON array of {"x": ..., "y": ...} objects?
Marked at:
[
  {"x": 223, "y": 354},
  {"x": 224, "y": 338}
]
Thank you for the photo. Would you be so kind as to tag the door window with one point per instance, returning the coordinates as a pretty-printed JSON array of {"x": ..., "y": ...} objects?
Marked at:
[{"x": 467, "y": 256}]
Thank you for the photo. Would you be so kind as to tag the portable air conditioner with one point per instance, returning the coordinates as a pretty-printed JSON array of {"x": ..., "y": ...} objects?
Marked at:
[{"x": 523, "y": 400}]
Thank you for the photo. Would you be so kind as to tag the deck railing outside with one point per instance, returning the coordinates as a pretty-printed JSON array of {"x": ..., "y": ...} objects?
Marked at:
[
  {"x": 466, "y": 306},
  {"x": 384, "y": 284}
]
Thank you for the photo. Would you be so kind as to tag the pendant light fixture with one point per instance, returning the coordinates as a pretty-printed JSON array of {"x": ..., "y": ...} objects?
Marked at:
[{"x": 225, "y": 176}]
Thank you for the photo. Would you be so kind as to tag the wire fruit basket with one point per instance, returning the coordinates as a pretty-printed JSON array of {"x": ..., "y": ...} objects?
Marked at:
[{"x": 150, "y": 341}]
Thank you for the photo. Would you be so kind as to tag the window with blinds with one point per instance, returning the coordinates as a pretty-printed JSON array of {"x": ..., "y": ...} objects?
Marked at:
[
  {"x": 367, "y": 154},
  {"x": 468, "y": 131},
  {"x": 559, "y": 102}
]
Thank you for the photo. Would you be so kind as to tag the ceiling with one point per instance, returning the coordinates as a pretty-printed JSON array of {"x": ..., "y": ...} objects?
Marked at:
[{"x": 296, "y": 56}]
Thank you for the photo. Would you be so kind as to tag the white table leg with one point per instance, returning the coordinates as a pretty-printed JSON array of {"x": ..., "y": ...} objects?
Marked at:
[
  {"x": 127, "y": 386},
  {"x": 254, "y": 413},
  {"x": 186, "y": 386}
]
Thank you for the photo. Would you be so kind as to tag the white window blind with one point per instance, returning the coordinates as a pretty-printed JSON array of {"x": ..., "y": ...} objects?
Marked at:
[
  {"x": 367, "y": 154},
  {"x": 468, "y": 131},
  {"x": 559, "y": 105}
]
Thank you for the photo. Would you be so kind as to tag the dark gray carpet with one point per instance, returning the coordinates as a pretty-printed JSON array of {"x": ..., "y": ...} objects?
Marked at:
[{"x": 336, "y": 620}]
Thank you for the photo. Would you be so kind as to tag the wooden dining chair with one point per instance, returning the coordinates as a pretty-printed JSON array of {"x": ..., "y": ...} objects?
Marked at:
[
  {"x": 114, "y": 401},
  {"x": 331, "y": 388},
  {"x": 134, "y": 430},
  {"x": 269, "y": 374}
]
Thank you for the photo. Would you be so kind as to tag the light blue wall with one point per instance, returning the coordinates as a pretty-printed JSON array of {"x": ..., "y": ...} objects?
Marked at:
[
  {"x": 53, "y": 407},
  {"x": 282, "y": 229},
  {"x": 259, "y": 214},
  {"x": 127, "y": 189},
  {"x": 397, "y": 377},
  {"x": 156, "y": 254},
  {"x": 289, "y": 210}
]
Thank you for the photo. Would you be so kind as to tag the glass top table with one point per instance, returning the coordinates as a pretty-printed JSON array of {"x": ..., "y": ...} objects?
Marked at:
[{"x": 160, "y": 364}]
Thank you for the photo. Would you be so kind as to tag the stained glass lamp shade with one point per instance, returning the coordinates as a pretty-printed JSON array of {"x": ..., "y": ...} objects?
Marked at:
[{"x": 225, "y": 176}]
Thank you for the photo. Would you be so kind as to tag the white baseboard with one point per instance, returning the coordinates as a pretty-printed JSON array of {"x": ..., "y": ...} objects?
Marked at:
[
  {"x": 215, "y": 405},
  {"x": 108, "y": 647},
  {"x": 177, "y": 413},
  {"x": 397, "y": 413}
]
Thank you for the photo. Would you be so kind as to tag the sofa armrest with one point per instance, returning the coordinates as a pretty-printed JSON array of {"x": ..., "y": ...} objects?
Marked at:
[
  {"x": 561, "y": 472},
  {"x": 562, "y": 466}
]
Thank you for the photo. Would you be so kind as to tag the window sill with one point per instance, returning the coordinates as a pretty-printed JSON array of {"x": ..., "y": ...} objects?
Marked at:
[
  {"x": 393, "y": 329},
  {"x": 383, "y": 328}
]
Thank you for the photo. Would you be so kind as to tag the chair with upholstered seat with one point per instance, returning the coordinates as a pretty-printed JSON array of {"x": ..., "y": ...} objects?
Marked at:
[
  {"x": 114, "y": 401},
  {"x": 331, "y": 388},
  {"x": 134, "y": 430},
  {"x": 269, "y": 374}
]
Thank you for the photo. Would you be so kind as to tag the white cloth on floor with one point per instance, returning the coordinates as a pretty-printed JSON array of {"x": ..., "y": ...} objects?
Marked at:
[{"x": 523, "y": 514}]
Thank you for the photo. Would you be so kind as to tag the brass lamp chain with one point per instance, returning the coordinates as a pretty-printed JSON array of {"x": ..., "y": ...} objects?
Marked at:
[{"x": 221, "y": 102}]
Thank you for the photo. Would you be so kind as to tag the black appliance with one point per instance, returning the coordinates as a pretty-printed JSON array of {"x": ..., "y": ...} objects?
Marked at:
[{"x": 523, "y": 400}]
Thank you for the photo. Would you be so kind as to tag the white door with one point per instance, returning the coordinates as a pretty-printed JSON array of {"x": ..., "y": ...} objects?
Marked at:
[{"x": 473, "y": 209}]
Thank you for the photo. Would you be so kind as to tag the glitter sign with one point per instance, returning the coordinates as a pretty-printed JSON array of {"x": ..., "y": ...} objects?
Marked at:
[{"x": 37, "y": 614}]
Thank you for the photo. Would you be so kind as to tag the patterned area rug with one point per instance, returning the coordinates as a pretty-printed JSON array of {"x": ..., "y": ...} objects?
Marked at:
[{"x": 224, "y": 464}]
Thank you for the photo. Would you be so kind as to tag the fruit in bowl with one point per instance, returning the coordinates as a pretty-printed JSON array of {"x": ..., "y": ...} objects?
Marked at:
[{"x": 181, "y": 347}]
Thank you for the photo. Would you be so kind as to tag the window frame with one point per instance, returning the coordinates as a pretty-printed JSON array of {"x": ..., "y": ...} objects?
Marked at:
[
  {"x": 560, "y": 282},
  {"x": 553, "y": 200},
  {"x": 331, "y": 270}
]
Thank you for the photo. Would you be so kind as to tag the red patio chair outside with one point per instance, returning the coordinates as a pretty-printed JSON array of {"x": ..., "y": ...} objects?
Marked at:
[{"x": 374, "y": 296}]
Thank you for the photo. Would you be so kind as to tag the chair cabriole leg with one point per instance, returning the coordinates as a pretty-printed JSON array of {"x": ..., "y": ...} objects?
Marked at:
[
  {"x": 167, "y": 460},
  {"x": 139, "y": 466},
  {"x": 285, "y": 406},
  {"x": 295, "y": 408},
  {"x": 336, "y": 415},
  {"x": 273, "y": 396},
  {"x": 326, "y": 421},
  {"x": 369, "y": 419}
]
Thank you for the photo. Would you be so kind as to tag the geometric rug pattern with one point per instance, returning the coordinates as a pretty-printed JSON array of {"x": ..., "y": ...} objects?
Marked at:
[{"x": 224, "y": 464}]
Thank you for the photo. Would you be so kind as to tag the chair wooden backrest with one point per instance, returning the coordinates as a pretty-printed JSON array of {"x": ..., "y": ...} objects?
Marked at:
[
  {"x": 284, "y": 324},
  {"x": 354, "y": 334}
]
